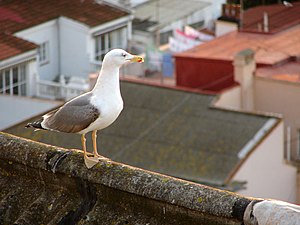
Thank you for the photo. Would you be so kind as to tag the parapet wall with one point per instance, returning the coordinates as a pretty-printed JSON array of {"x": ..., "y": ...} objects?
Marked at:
[{"x": 43, "y": 184}]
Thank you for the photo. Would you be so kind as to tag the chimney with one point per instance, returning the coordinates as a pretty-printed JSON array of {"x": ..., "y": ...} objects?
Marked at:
[{"x": 244, "y": 67}]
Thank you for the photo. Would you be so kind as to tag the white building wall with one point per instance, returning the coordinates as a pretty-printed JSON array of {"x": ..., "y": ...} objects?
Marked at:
[
  {"x": 230, "y": 98},
  {"x": 212, "y": 12},
  {"x": 215, "y": 8},
  {"x": 46, "y": 32},
  {"x": 224, "y": 27},
  {"x": 281, "y": 97},
  {"x": 74, "y": 55},
  {"x": 71, "y": 45},
  {"x": 266, "y": 173}
]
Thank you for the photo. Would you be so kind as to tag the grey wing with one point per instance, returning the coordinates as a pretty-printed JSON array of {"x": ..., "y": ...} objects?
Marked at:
[{"x": 74, "y": 116}]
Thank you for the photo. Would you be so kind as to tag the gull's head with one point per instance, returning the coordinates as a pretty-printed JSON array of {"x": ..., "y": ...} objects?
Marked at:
[{"x": 119, "y": 57}]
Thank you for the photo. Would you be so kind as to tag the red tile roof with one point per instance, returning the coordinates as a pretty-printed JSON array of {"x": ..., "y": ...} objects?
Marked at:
[
  {"x": 11, "y": 46},
  {"x": 17, "y": 15},
  {"x": 287, "y": 72},
  {"x": 270, "y": 49},
  {"x": 280, "y": 17}
]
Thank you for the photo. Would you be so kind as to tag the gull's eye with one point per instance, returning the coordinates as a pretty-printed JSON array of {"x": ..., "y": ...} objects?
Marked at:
[{"x": 124, "y": 55}]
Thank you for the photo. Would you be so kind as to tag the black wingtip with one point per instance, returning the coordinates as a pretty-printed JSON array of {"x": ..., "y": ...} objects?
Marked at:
[
  {"x": 28, "y": 125},
  {"x": 35, "y": 124}
]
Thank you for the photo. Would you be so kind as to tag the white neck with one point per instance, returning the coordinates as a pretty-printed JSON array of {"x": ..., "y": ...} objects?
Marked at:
[{"x": 108, "y": 79}]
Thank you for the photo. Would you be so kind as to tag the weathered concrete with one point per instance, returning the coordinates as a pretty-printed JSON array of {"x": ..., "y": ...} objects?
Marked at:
[{"x": 50, "y": 185}]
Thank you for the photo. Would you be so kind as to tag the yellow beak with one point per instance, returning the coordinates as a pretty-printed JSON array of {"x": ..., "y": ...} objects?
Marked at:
[{"x": 137, "y": 58}]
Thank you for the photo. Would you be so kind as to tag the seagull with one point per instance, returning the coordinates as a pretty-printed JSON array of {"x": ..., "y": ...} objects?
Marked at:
[{"x": 94, "y": 110}]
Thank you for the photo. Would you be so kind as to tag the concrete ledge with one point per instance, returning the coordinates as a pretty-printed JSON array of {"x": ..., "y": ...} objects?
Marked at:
[{"x": 54, "y": 186}]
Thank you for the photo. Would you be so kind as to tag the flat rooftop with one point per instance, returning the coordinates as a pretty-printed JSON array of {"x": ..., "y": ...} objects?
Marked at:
[{"x": 165, "y": 12}]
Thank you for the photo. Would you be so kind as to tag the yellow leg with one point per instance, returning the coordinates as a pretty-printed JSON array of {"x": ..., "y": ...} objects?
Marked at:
[
  {"x": 89, "y": 161},
  {"x": 83, "y": 141},
  {"x": 94, "y": 138}
]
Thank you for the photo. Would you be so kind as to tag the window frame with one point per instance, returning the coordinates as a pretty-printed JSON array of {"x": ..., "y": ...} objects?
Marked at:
[
  {"x": 14, "y": 80},
  {"x": 43, "y": 53},
  {"x": 110, "y": 40}
]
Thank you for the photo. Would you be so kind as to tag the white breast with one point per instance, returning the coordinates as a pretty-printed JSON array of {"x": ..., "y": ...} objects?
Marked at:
[{"x": 109, "y": 108}]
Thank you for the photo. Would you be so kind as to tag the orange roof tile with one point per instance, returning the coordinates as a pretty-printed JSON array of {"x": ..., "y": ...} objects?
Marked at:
[
  {"x": 287, "y": 72},
  {"x": 11, "y": 46},
  {"x": 270, "y": 49}
]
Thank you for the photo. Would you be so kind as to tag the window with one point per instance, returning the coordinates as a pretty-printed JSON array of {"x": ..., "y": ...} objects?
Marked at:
[
  {"x": 13, "y": 80},
  {"x": 43, "y": 52},
  {"x": 164, "y": 37},
  {"x": 197, "y": 25},
  {"x": 106, "y": 42}
]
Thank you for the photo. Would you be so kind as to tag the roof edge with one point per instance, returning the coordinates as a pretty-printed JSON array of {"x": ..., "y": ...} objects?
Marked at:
[
  {"x": 170, "y": 87},
  {"x": 20, "y": 58},
  {"x": 116, "y": 5},
  {"x": 259, "y": 136},
  {"x": 277, "y": 116},
  {"x": 251, "y": 150},
  {"x": 276, "y": 80}
]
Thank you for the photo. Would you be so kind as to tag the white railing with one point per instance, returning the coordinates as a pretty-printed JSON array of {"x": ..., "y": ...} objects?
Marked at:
[{"x": 59, "y": 90}]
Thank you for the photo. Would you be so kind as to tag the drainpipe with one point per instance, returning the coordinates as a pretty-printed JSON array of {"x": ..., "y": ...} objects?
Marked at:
[{"x": 288, "y": 147}]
